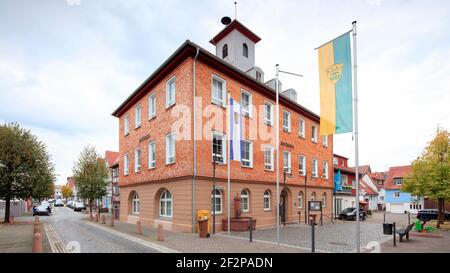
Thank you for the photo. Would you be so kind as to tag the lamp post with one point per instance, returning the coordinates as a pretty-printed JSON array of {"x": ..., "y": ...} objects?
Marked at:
[
  {"x": 306, "y": 213},
  {"x": 214, "y": 185},
  {"x": 286, "y": 171}
]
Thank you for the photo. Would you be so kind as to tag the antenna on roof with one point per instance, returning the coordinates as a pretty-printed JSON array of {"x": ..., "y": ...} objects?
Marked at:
[
  {"x": 226, "y": 20},
  {"x": 235, "y": 10}
]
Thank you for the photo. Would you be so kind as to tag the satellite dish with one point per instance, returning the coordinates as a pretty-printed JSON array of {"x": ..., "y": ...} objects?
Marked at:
[{"x": 226, "y": 20}]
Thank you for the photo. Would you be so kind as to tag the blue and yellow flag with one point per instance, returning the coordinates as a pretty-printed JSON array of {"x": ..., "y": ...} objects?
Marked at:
[{"x": 335, "y": 74}]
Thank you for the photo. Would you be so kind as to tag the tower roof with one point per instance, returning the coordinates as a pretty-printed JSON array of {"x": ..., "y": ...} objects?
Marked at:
[{"x": 235, "y": 24}]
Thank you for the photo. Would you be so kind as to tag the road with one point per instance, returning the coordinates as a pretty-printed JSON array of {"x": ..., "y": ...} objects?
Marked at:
[{"x": 65, "y": 227}]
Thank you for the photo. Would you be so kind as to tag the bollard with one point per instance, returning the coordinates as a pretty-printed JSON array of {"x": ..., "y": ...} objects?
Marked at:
[
  {"x": 91, "y": 218},
  {"x": 103, "y": 219},
  {"x": 299, "y": 217},
  {"x": 250, "y": 225},
  {"x": 37, "y": 243},
  {"x": 160, "y": 233},
  {"x": 36, "y": 218},
  {"x": 384, "y": 217},
  {"x": 37, "y": 228},
  {"x": 96, "y": 217},
  {"x": 313, "y": 236},
  {"x": 139, "y": 227},
  {"x": 395, "y": 242},
  {"x": 11, "y": 220},
  {"x": 111, "y": 221}
]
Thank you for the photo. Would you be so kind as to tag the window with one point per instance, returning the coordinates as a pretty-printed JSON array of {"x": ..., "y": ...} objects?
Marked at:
[
  {"x": 247, "y": 153},
  {"x": 138, "y": 116},
  {"x": 267, "y": 200},
  {"x": 135, "y": 203},
  {"x": 165, "y": 204},
  {"x": 314, "y": 133},
  {"x": 126, "y": 125},
  {"x": 315, "y": 167},
  {"x": 170, "y": 148},
  {"x": 170, "y": 92},
  {"x": 268, "y": 113},
  {"x": 397, "y": 194},
  {"x": 218, "y": 91},
  {"x": 268, "y": 158},
  {"x": 300, "y": 200},
  {"x": 245, "y": 201},
  {"x": 245, "y": 50},
  {"x": 224, "y": 51},
  {"x": 218, "y": 147},
  {"x": 301, "y": 128},
  {"x": 324, "y": 200},
  {"x": 302, "y": 165},
  {"x": 137, "y": 160},
  {"x": 218, "y": 202},
  {"x": 152, "y": 105},
  {"x": 325, "y": 169},
  {"x": 259, "y": 76},
  {"x": 246, "y": 103},
  {"x": 126, "y": 171},
  {"x": 325, "y": 141},
  {"x": 313, "y": 196},
  {"x": 152, "y": 155},
  {"x": 286, "y": 121},
  {"x": 398, "y": 181},
  {"x": 287, "y": 160}
]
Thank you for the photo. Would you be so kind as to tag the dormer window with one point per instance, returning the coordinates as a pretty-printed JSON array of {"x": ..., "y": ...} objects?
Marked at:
[
  {"x": 224, "y": 51},
  {"x": 245, "y": 50}
]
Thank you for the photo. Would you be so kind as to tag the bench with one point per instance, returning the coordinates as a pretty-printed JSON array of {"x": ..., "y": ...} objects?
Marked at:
[{"x": 404, "y": 231}]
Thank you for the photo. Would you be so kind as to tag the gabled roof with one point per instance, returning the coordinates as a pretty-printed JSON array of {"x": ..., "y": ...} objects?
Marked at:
[
  {"x": 396, "y": 172},
  {"x": 239, "y": 27},
  {"x": 367, "y": 189},
  {"x": 364, "y": 169},
  {"x": 345, "y": 169},
  {"x": 111, "y": 157}
]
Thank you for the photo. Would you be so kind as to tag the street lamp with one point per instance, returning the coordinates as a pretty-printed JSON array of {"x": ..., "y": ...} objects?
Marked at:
[
  {"x": 288, "y": 172},
  {"x": 305, "y": 197},
  {"x": 215, "y": 144}
]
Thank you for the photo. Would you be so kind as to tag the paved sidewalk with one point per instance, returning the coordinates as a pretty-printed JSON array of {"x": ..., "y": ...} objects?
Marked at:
[
  {"x": 417, "y": 244},
  {"x": 191, "y": 243},
  {"x": 18, "y": 237}
]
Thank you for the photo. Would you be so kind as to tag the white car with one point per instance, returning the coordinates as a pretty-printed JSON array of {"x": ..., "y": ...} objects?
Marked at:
[
  {"x": 59, "y": 203},
  {"x": 70, "y": 204}
]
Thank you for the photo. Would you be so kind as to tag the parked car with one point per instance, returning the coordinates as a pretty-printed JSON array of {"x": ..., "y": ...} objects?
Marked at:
[
  {"x": 70, "y": 204},
  {"x": 59, "y": 203},
  {"x": 41, "y": 210},
  {"x": 79, "y": 206},
  {"x": 47, "y": 205},
  {"x": 350, "y": 214},
  {"x": 431, "y": 214}
]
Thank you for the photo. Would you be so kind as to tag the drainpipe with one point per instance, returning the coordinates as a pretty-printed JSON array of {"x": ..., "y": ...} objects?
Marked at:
[{"x": 194, "y": 139}]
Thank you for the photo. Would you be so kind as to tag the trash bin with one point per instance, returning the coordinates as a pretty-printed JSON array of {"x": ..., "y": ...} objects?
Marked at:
[
  {"x": 387, "y": 228},
  {"x": 203, "y": 228},
  {"x": 204, "y": 215}
]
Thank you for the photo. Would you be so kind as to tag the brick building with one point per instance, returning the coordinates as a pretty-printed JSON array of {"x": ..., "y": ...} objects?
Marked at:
[{"x": 166, "y": 148}]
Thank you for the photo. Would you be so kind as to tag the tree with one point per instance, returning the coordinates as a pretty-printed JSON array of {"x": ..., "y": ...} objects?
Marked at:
[
  {"x": 26, "y": 170},
  {"x": 90, "y": 174},
  {"x": 66, "y": 191},
  {"x": 430, "y": 175}
]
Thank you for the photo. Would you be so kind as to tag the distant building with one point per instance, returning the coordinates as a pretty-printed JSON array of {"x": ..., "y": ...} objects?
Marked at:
[
  {"x": 57, "y": 194},
  {"x": 344, "y": 195},
  {"x": 112, "y": 199},
  {"x": 71, "y": 184}
]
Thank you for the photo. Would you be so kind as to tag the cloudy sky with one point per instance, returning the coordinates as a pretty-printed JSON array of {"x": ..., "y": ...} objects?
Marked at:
[{"x": 65, "y": 65}]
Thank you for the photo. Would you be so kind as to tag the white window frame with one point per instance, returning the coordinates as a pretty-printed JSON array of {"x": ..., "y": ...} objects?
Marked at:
[
  {"x": 324, "y": 200},
  {"x": 289, "y": 161},
  {"x": 301, "y": 129},
  {"x": 136, "y": 204},
  {"x": 224, "y": 146},
  {"x": 302, "y": 159},
  {"x": 217, "y": 203},
  {"x": 137, "y": 160},
  {"x": 126, "y": 125},
  {"x": 325, "y": 169},
  {"x": 250, "y": 160},
  {"x": 168, "y": 83},
  {"x": 126, "y": 162},
  {"x": 247, "y": 198},
  {"x": 168, "y": 152},
  {"x": 397, "y": 193},
  {"x": 325, "y": 141},
  {"x": 314, "y": 133},
  {"x": 288, "y": 128},
  {"x": 266, "y": 198},
  {"x": 214, "y": 100},
  {"x": 166, "y": 200},
  {"x": 315, "y": 168},
  {"x": 300, "y": 199},
  {"x": 152, "y": 105},
  {"x": 268, "y": 121},
  {"x": 138, "y": 116},
  {"x": 270, "y": 149},
  {"x": 151, "y": 158},
  {"x": 247, "y": 112}
]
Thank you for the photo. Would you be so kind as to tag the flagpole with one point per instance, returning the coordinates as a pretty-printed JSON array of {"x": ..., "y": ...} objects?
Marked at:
[
  {"x": 277, "y": 138},
  {"x": 229, "y": 161},
  {"x": 355, "y": 104}
]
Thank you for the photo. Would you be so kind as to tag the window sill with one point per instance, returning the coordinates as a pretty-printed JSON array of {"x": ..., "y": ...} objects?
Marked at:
[
  {"x": 300, "y": 136},
  {"x": 315, "y": 142},
  {"x": 217, "y": 213},
  {"x": 170, "y": 163},
  {"x": 286, "y": 130},
  {"x": 152, "y": 117},
  {"x": 126, "y": 134},
  {"x": 267, "y": 210},
  {"x": 247, "y": 167},
  {"x": 137, "y": 127},
  {"x": 170, "y": 105},
  {"x": 152, "y": 168},
  {"x": 268, "y": 170},
  {"x": 166, "y": 218},
  {"x": 219, "y": 104}
]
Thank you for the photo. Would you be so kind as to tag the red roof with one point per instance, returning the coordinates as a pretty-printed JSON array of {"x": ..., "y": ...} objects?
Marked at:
[
  {"x": 364, "y": 169},
  {"x": 238, "y": 26},
  {"x": 378, "y": 176},
  {"x": 396, "y": 172},
  {"x": 70, "y": 182},
  {"x": 367, "y": 189},
  {"x": 111, "y": 158},
  {"x": 345, "y": 169}
]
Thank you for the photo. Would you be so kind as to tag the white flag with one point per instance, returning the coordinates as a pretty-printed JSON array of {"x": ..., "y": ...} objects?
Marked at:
[{"x": 235, "y": 130}]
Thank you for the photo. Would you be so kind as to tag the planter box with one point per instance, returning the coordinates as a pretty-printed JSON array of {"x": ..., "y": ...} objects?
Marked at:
[{"x": 238, "y": 224}]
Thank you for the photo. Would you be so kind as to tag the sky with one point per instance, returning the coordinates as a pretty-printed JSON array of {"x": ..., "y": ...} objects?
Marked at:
[{"x": 66, "y": 65}]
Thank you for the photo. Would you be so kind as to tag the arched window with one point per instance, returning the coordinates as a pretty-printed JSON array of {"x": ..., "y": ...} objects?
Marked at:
[
  {"x": 267, "y": 200},
  {"x": 135, "y": 203},
  {"x": 165, "y": 204},
  {"x": 218, "y": 203},
  {"x": 324, "y": 200},
  {"x": 245, "y": 50},
  {"x": 224, "y": 51},
  {"x": 300, "y": 200},
  {"x": 245, "y": 201},
  {"x": 313, "y": 196}
]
